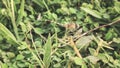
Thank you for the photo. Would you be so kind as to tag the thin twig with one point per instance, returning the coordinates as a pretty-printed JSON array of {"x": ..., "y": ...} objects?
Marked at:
[
  {"x": 117, "y": 21},
  {"x": 73, "y": 45}
]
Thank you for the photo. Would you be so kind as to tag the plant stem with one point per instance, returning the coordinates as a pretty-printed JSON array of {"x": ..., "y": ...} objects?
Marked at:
[
  {"x": 117, "y": 21},
  {"x": 46, "y": 6},
  {"x": 72, "y": 43},
  {"x": 13, "y": 20}
]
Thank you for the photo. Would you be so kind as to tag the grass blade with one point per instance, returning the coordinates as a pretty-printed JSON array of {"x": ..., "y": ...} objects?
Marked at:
[
  {"x": 92, "y": 12},
  {"x": 47, "y": 54},
  {"x": 21, "y": 11},
  {"x": 7, "y": 34}
]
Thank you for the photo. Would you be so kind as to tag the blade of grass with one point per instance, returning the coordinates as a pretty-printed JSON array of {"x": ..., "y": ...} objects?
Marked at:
[
  {"x": 9, "y": 4},
  {"x": 92, "y": 12},
  {"x": 7, "y": 34},
  {"x": 38, "y": 58},
  {"x": 47, "y": 55},
  {"x": 13, "y": 19},
  {"x": 46, "y": 5},
  {"x": 40, "y": 62},
  {"x": 21, "y": 11},
  {"x": 38, "y": 2}
]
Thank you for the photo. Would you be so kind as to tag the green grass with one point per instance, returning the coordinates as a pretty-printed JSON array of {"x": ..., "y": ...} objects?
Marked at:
[{"x": 59, "y": 34}]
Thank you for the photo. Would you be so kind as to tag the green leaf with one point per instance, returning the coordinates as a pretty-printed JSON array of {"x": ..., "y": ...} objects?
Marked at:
[
  {"x": 78, "y": 61},
  {"x": 1, "y": 38},
  {"x": 72, "y": 10},
  {"x": 7, "y": 34},
  {"x": 106, "y": 16},
  {"x": 54, "y": 16},
  {"x": 20, "y": 57},
  {"x": 47, "y": 55},
  {"x": 38, "y": 30},
  {"x": 17, "y": 1},
  {"x": 57, "y": 65},
  {"x": 21, "y": 64},
  {"x": 64, "y": 10},
  {"x": 116, "y": 40},
  {"x": 108, "y": 35},
  {"x": 117, "y": 6},
  {"x": 92, "y": 51},
  {"x": 93, "y": 59},
  {"x": 84, "y": 41},
  {"x": 103, "y": 58},
  {"x": 39, "y": 2},
  {"x": 21, "y": 12},
  {"x": 22, "y": 46},
  {"x": 92, "y": 12},
  {"x": 4, "y": 65},
  {"x": 10, "y": 55},
  {"x": 23, "y": 27}
]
